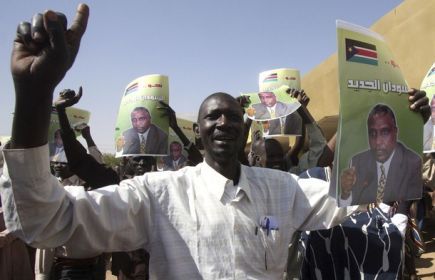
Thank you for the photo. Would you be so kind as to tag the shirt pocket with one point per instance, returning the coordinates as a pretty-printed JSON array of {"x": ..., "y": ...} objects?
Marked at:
[{"x": 275, "y": 248}]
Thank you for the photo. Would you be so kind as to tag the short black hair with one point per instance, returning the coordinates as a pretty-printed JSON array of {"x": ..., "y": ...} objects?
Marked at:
[
  {"x": 381, "y": 109},
  {"x": 216, "y": 94}
]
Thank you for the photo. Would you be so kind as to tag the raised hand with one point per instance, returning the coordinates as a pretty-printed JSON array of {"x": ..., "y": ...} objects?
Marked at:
[
  {"x": 244, "y": 101},
  {"x": 170, "y": 113},
  {"x": 67, "y": 98},
  {"x": 300, "y": 95},
  {"x": 348, "y": 179},
  {"x": 419, "y": 103},
  {"x": 45, "y": 49},
  {"x": 42, "y": 53}
]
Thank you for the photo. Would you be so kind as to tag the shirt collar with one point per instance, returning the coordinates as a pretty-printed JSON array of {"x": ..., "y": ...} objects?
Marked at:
[
  {"x": 145, "y": 134},
  {"x": 244, "y": 182},
  {"x": 216, "y": 182},
  {"x": 272, "y": 108},
  {"x": 386, "y": 164}
]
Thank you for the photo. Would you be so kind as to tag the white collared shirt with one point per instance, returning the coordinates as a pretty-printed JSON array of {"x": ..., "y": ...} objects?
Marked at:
[{"x": 194, "y": 222}]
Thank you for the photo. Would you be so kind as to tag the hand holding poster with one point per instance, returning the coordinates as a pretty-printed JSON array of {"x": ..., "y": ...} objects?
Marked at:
[
  {"x": 140, "y": 127},
  {"x": 379, "y": 138}
]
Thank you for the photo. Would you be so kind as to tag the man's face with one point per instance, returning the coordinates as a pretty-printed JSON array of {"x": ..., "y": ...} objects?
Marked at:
[
  {"x": 140, "y": 120},
  {"x": 382, "y": 136},
  {"x": 266, "y": 153},
  {"x": 220, "y": 121},
  {"x": 142, "y": 165},
  {"x": 275, "y": 154},
  {"x": 175, "y": 149},
  {"x": 267, "y": 98},
  {"x": 61, "y": 169}
]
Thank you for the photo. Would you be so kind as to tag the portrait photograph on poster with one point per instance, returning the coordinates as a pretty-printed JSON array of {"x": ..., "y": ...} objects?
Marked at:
[
  {"x": 141, "y": 128},
  {"x": 378, "y": 150}
]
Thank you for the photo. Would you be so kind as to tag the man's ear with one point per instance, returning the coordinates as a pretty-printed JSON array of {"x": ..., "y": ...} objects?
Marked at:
[{"x": 196, "y": 130}]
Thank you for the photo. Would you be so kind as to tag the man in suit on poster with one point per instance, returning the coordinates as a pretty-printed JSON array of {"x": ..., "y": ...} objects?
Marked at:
[
  {"x": 388, "y": 171},
  {"x": 176, "y": 160},
  {"x": 281, "y": 121},
  {"x": 144, "y": 137},
  {"x": 270, "y": 108}
]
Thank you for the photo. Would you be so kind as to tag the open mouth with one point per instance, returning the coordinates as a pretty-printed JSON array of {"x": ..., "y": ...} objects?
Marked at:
[{"x": 224, "y": 137}]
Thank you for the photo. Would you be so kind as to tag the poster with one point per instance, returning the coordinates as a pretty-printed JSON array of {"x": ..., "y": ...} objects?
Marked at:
[
  {"x": 77, "y": 118},
  {"x": 428, "y": 85},
  {"x": 177, "y": 157},
  {"x": 274, "y": 109},
  {"x": 379, "y": 139},
  {"x": 141, "y": 128}
]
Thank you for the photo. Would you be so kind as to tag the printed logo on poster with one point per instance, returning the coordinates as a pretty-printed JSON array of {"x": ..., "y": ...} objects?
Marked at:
[
  {"x": 133, "y": 88},
  {"x": 271, "y": 78},
  {"x": 361, "y": 52}
]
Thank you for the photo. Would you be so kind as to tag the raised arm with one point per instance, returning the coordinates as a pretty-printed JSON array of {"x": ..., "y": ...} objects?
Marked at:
[
  {"x": 43, "y": 52},
  {"x": 244, "y": 102},
  {"x": 37, "y": 209},
  {"x": 316, "y": 140},
  {"x": 88, "y": 167}
]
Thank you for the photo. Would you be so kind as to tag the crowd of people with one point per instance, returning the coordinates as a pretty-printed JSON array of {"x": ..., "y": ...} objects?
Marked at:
[{"x": 224, "y": 210}]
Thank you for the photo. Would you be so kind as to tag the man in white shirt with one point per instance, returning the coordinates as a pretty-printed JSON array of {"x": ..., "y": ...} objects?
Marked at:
[{"x": 202, "y": 222}]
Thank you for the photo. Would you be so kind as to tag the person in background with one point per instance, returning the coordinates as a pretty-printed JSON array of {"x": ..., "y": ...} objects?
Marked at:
[
  {"x": 74, "y": 166},
  {"x": 134, "y": 265},
  {"x": 87, "y": 166}
]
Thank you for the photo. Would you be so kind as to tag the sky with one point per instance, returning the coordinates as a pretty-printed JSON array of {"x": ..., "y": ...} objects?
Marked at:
[{"x": 204, "y": 46}]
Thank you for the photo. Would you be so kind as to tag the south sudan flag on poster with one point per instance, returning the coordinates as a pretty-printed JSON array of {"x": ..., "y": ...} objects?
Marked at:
[
  {"x": 361, "y": 52},
  {"x": 273, "y": 77}
]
